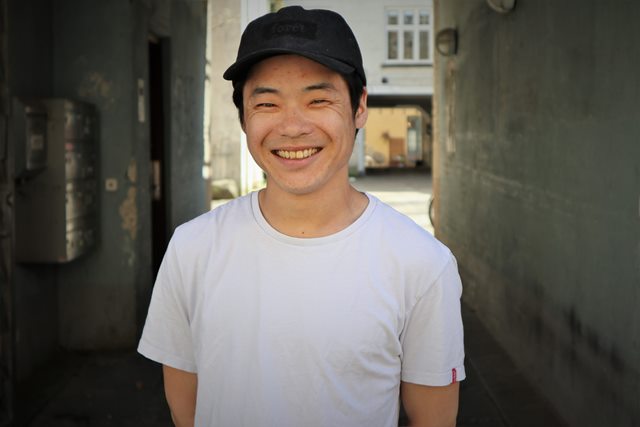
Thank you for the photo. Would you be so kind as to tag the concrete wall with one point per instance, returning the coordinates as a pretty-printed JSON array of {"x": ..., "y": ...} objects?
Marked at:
[
  {"x": 232, "y": 167},
  {"x": 188, "y": 43},
  {"x": 94, "y": 62},
  {"x": 98, "y": 52},
  {"x": 225, "y": 130},
  {"x": 538, "y": 191},
  {"x": 30, "y": 74},
  {"x": 99, "y": 57},
  {"x": 6, "y": 237}
]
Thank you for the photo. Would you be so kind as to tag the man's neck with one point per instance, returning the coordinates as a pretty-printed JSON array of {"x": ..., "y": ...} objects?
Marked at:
[{"x": 318, "y": 214}]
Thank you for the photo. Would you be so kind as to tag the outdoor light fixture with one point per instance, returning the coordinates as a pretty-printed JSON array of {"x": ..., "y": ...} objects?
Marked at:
[
  {"x": 502, "y": 6},
  {"x": 447, "y": 41}
]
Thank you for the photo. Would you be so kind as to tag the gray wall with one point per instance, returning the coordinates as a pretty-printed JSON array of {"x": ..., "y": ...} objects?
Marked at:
[
  {"x": 188, "y": 40},
  {"x": 538, "y": 187},
  {"x": 96, "y": 52},
  {"x": 35, "y": 290},
  {"x": 6, "y": 237},
  {"x": 224, "y": 130}
]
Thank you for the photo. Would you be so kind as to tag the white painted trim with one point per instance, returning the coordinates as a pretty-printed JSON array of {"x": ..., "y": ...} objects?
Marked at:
[
  {"x": 400, "y": 90},
  {"x": 250, "y": 10}
]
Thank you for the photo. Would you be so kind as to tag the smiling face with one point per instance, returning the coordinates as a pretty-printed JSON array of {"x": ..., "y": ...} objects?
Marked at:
[{"x": 300, "y": 125}]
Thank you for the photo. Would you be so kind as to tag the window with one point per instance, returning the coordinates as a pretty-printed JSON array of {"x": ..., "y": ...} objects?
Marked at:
[{"x": 408, "y": 35}]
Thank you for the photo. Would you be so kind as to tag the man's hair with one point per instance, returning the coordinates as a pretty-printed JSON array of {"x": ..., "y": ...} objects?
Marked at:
[{"x": 353, "y": 81}]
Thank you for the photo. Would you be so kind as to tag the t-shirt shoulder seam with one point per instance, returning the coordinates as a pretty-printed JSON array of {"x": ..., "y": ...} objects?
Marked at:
[{"x": 437, "y": 277}]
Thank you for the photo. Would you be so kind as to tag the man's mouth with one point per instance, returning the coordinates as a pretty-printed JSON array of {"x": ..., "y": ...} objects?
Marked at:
[{"x": 296, "y": 154}]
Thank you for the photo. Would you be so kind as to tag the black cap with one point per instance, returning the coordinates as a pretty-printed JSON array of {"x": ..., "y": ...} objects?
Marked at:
[{"x": 321, "y": 35}]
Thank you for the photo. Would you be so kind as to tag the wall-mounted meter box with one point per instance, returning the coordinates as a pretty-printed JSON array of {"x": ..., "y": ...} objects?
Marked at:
[
  {"x": 29, "y": 126},
  {"x": 57, "y": 207}
]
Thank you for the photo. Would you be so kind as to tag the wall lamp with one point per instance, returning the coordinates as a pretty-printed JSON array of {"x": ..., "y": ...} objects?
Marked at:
[
  {"x": 447, "y": 41},
  {"x": 502, "y": 6}
]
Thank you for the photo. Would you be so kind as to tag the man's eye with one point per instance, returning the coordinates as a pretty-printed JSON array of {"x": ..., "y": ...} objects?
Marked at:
[
  {"x": 265, "y": 105},
  {"x": 319, "y": 101}
]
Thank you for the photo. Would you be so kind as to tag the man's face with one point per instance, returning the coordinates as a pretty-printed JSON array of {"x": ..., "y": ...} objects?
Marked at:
[{"x": 299, "y": 123}]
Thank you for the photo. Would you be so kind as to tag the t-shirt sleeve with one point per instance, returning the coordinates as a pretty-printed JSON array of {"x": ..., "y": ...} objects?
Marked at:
[
  {"x": 166, "y": 337},
  {"x": 432, "y": 339}
]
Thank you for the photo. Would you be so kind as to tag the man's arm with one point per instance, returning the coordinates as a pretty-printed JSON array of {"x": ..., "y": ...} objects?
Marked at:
[
  {"x": 180, "y": 387},
  {"x": 428, "y": 406}
]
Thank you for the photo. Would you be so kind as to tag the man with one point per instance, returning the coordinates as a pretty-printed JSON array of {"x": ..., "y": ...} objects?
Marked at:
[{"x": 307, "y": 303}]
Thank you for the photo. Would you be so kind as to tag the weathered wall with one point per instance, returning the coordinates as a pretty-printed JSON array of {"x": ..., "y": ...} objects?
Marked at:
[
  {"x": 94, "y": 50},
  {"x": 6, "y": 237},
  {"x": 188, "y": 40},
  {"x": 538, "y": 189},
  {"x": 224, "y": 131},
  {"x": 30, "y": 75},
  {"x": 97, "y": 52},
  {"x": 100, "y": 53}
]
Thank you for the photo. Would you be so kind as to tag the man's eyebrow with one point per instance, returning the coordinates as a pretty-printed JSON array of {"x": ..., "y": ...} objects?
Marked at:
[
  {"x": 320, "y": 86},
  {"x": 260, "y": 90}
]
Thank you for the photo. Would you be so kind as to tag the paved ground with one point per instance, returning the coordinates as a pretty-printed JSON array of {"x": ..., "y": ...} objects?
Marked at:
[
  {"x": 407, "y": 191},
  {"x": 124, "y": 389}
]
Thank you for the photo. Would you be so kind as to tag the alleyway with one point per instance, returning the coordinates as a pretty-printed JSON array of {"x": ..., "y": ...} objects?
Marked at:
[{"x": 124, "y": 389}]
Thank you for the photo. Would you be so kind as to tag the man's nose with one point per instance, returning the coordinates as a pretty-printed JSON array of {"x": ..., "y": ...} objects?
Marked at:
[{"x": 294, "y": 123}]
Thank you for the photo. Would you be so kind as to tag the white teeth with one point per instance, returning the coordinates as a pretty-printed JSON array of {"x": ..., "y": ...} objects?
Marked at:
[{"x": 301, "y": 154}]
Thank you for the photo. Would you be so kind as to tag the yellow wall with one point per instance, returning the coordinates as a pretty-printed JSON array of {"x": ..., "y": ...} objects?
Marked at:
[{"x": 384, "y": 124}]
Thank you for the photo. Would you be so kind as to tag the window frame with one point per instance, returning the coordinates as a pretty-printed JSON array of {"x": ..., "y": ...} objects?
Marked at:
[{"x": 401, "y": 29}]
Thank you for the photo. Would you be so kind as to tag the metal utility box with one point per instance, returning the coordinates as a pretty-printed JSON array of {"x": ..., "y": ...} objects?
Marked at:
[
  {"x": 30, "y": 128},
  {"x": 57, "y": 207}
]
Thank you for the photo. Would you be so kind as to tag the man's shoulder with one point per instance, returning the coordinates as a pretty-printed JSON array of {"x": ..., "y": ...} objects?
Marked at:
[
  {"x": 225, "y": 217},
  {"x": 404, "y": 236}
]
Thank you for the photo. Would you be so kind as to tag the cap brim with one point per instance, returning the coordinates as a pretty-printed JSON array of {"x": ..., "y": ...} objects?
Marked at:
[{"x": 240, "y": 68}]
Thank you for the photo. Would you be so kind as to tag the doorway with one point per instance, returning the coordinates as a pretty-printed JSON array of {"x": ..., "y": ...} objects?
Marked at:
[{"x": 158, "y": 144}]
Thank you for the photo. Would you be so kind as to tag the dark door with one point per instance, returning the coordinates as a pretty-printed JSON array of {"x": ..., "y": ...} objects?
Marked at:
[{"x": 159, "y": 140}]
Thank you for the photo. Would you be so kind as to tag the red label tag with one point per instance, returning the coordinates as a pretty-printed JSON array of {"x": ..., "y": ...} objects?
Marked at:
[{"x": 454, "y": 375}]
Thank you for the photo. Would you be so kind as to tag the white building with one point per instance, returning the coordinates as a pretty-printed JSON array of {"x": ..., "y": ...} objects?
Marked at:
[
  {"x": 396, "y": 40},
  {"x": 395, "y": 37}
]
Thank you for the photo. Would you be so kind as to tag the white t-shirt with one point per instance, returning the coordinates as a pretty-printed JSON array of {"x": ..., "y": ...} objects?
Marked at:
[{"x": 286, "y": 331}]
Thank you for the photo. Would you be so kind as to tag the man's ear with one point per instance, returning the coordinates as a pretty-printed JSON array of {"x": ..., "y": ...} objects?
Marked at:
[{"x": 362, "y": 112}]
